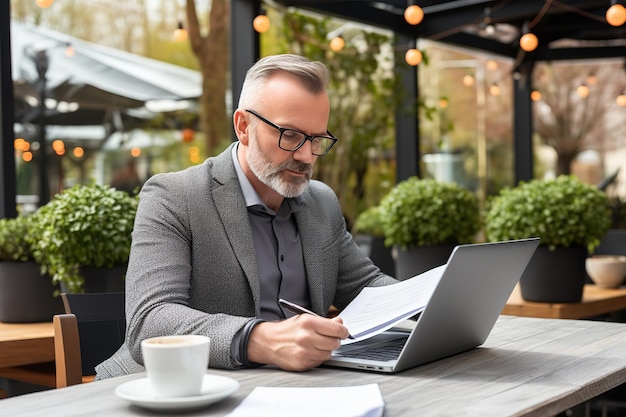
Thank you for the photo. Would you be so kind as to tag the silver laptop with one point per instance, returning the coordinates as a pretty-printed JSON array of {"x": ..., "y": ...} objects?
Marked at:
[{"x": 474, "y": 287}]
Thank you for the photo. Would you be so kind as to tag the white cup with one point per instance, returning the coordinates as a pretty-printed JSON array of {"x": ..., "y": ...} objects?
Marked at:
[{"x": 176, "y": 364}]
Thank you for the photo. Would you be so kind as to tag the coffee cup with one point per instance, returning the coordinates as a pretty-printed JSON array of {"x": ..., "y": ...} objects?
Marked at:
[{"x": 175, "y": 365}]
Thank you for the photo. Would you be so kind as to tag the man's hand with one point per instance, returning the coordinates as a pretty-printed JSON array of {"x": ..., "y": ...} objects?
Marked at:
[{"x": 296, "y": 344}]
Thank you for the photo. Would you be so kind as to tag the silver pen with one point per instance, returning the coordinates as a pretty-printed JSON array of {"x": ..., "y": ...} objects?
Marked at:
[
  {"x": 298, "y": 309},
  {"x": 295, "y": 308}
]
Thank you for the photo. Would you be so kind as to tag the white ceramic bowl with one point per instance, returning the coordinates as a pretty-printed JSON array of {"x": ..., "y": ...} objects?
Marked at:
[{"x": 607, "y": 271}]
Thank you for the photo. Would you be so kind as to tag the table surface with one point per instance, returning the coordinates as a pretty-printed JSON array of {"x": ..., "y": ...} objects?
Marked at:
[
  {"x": 26, "y": 343},
  {"x": 527, "y": 367},
  {"x": 596, "y": 301}
]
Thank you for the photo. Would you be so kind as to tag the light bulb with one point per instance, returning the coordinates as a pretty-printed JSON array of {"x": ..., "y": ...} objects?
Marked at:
[
  {"x": 528, "y": 42},
  {"x": 337, "y": 43},
  {"x": 468, "y": 80},
  {"x": 621, "y": 100},
  {"x": 535, "y": 95},
  {"x": 582, "y": 90},
  {"x": 616, "y": 15},
  {"x": 491, "y": 65},
  {"x": 494, "y": 90},
  {"x": 180, "y": 34},
  {"x": 261, "y": 23},
  {"x": 44, "y": 4},
  {"x": 413, "y": 57},
  {"x": 413, "y": 14}
]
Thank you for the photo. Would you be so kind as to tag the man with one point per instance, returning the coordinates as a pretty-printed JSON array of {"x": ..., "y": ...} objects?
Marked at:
[{"x": 215, "y": 246}]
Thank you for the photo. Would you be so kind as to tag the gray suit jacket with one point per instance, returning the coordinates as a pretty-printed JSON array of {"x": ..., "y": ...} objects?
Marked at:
[{"x": 192, "y": 267}]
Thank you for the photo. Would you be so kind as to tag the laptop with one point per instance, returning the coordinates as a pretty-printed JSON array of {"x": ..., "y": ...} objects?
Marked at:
[{"x": 473, "y": 289}]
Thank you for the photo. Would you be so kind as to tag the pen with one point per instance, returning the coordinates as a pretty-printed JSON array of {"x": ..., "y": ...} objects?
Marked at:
[{"x": 295, "y": 308}]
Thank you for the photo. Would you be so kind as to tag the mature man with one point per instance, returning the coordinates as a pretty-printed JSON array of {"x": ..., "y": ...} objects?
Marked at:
[{"x": 216, "y": 245}]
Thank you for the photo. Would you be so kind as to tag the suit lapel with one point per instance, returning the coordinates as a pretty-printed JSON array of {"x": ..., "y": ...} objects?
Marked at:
[{"x": 233, "y": 213}]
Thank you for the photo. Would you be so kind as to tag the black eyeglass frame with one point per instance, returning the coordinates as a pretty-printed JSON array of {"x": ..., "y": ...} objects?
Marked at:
[{"x": 306, "y": 137}]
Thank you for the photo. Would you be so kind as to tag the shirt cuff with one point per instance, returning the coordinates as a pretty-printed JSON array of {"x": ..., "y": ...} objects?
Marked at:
[{"x": 239, "y": 346}]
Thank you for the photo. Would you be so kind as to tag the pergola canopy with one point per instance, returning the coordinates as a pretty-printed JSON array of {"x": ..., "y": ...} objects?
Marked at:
[{"x": 572, "y": 29}]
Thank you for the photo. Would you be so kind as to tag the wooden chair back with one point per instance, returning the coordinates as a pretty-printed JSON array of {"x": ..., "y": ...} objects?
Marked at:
[{"x": 97, "y": 322}]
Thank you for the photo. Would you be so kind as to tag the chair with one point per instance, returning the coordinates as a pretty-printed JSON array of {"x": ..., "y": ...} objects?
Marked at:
[{"x": 92, "y": 329}]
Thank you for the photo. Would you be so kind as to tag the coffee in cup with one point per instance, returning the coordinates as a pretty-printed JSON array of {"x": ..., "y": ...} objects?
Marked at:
[{"x": 176, "y": 365}]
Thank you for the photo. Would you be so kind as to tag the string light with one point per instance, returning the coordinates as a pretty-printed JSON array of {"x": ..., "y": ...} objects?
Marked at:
[
  {"x": 413, "y": 14},
  {"x": 79, "y": 152},
  {"x": 261, "y": 23},
  {"x": 492, "y": 65},
  {"x": 621, "y": 99},
  {"x": 582, "y": 90},
  {"x": 135, "y": 152},
  {"x": 180, "y": 34},
  {"x": 337, "y": 43},
  {"x": 494, "y": 90},
  {"x": 413, "y": 57},
  {"x": 528, "y": 42},
  {"x": 616, "y": 14},
  {"x": 443, "y": 103},
  {"x": 44, "y": 4},
  {"x": 59, "y": 147},
  {"x": 535, "y": 95},
  {"x": 468, "y": 80}
]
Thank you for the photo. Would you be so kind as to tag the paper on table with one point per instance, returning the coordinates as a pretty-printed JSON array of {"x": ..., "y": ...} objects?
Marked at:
[
  {"x": 353, "y": 401},
  {"x": 377, "y": 309}
]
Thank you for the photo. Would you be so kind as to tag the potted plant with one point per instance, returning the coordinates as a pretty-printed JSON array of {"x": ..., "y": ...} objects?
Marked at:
[
  {"x": 84, "y": 233},
  {"x": 570, "y": 218},
  {"x": 424, "y": 219},
  {"x": 25, "y": 294},
  {"x": 370, "y": 236}
]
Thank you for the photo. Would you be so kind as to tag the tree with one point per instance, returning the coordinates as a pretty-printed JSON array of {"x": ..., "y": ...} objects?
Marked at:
[
  {"x": 363, "y": 101},
  {"x": 212, "y": 53},
  {"x": 568, "y": 121}
]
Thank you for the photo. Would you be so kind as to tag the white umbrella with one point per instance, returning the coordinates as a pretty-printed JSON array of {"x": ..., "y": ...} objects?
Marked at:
[{"x": 94, "y": 76}]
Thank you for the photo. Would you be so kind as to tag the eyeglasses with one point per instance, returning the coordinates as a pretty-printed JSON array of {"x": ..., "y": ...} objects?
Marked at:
[{"x": 291, "y": 140}]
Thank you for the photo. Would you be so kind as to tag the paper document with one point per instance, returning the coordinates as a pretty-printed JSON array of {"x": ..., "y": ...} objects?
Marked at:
[
  {"x": 377, "y": 309},
  {"x": 353, "y": 401}
]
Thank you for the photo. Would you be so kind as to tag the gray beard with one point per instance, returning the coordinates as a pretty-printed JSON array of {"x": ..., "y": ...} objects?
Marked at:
[{"x": 270, "y": 174}]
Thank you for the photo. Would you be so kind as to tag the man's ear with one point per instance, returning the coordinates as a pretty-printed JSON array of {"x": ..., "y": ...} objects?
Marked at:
[{"x": 241, "y": 126}]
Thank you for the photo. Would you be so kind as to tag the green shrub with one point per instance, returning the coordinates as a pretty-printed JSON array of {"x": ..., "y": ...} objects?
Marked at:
[
  {"x": 369, "y": 222},
  {"x": 86, "y": 225},
  {"x": 421, "y": 212},
  {"x": 562, "y": 212},
  {"x": 14, "y": 245}
]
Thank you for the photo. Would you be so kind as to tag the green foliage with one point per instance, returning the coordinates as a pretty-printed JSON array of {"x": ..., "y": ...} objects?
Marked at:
[
  {"x": 422, "y": 212},
  {"x": 370, "y": 222},
  {"x": 364, "y": 95},
  {"x": 86, "y": 225},
  {"x": 14, "y": 245},
  {"x": 563, "y": 212}
]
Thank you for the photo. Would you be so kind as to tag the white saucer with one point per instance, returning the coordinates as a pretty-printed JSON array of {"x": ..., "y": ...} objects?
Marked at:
[{"x": 214, "y": 388}]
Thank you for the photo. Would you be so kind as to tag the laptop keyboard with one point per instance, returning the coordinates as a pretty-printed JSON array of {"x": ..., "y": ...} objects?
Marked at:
[{"x": 382, "y": 352}]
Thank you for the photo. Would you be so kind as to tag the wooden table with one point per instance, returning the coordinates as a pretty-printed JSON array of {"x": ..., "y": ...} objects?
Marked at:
[
  {"x": 596, "y": 302},
  {"x": 26, "y": 352},
  {"x": 527, "y": 367}
]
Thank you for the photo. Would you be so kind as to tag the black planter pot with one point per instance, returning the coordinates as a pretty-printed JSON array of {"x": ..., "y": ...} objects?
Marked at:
[
  {"x": 102, "y": 279},
  {"x": 414, "y": 261},
  {"x": 375, "y": 249},
  {"x": 555, "y": 276},
  {"x": 26, "y": 296}
]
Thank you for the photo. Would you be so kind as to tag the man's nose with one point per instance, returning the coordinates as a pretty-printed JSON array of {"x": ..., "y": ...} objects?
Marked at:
[{"x": 304, "y": 153}]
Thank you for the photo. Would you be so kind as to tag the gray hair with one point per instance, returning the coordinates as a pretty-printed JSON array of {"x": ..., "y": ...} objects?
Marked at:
[{"x": 313, "y": 75}]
